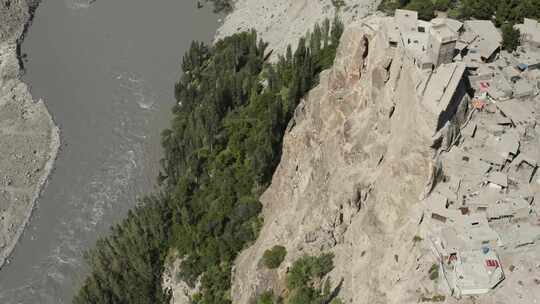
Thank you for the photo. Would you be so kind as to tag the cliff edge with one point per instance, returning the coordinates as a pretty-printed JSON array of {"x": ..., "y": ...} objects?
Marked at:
[{"x": 355, "y": 163}]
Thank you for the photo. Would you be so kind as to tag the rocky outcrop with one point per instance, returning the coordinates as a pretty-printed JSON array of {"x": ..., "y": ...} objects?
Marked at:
[
  {"x": 29, "y": 139},
  {"x": 283, "y": 22},
  {"x": 356, "y": 160},
  {"x": 181, "y": 291}
]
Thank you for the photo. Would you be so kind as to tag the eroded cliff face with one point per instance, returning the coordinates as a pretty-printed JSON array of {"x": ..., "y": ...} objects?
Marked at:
[{"x": 355, "y": 162}]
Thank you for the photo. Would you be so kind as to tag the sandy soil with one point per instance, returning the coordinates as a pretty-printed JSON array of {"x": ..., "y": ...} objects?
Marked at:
[
  {"x": 29, "y": 139},
  {"x": 283, "y": 22}
]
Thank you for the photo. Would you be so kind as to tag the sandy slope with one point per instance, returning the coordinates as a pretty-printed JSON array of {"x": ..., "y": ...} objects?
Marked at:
[
  {"x": 283, "y": 22},
  {"x": 29, "y": 139}
]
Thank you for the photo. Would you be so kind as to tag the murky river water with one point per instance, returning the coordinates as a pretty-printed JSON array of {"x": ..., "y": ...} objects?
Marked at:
[{"x": 106, "y": 71}]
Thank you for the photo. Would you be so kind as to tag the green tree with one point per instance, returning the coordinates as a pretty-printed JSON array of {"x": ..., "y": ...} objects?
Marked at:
[
  {"x": 220, "y": 152},
  {"x": 403, "y": 3},
  {"x": 315, "y": 41},
  {"x": 503, "y": 12},
  {"x": 425, "y": 9},
  {"x": 511, "y": 37},
  {"x": 480, "y": 9},
  {"x": 526, "y": 9},
  {"x": 442, "y": 5},
  {"x": 338, "y": 4},
  {"x": 337, "y": 31}
]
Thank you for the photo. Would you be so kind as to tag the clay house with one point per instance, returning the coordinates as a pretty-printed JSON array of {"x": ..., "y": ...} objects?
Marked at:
[
  {"x": 530, "y": 33},
  {"x": 487, "y": 42}
]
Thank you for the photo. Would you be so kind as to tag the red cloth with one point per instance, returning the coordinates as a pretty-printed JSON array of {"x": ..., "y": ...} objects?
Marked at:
[
  {"x": 484, "y": 86},
  {"x": 492, "y": 263}
]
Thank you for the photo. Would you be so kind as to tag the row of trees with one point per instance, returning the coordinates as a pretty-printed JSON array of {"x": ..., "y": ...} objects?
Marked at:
[
  {"x": 501, "y": 11},
  {"x": 220, "y": 152}
]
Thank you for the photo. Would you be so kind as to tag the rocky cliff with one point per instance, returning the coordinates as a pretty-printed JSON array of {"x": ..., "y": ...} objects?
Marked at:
[
  {"x": 29, "y": 139},
  {"x": 356, "y": 160}
]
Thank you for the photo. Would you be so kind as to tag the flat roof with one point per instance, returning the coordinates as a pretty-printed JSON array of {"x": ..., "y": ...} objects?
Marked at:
[
  {"x": 498, "y": 178},
  {"x": 443, "y": 32},
  {"x": 453, "y": 24},
  {"x": 406, "y": 19},
  {"x": 519, "y": 112},
  {"x": 488, "y": 38},
  {"x": 442, "y": 86},
  {"x": 485, "y": 29},
  {"x": 509, "y": 143},
  {"x": 473, "y": 276},
  {"x": 530, "y": 28}
]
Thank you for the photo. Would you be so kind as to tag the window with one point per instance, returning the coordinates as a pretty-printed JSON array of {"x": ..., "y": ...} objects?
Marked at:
[
  {"x": 421, "y": 29},
  {"x": 438, "y": 217}
]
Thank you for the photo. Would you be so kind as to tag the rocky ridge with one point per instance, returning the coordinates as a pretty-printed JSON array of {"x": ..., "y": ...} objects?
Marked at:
[
  {"x": 29, "y": 139},
  {"x": 355, "y": 162}
]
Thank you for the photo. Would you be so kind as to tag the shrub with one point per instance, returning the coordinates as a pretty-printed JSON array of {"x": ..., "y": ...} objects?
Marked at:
[
  {"x": 303, "y": 295},
  {"x": 307, "y": 268},
  {"x": 435, "y": 298},
  {"x": 272, "y": 258},
  {"x": 300, "y": 281},
  {"x": 268, "y": 297}
]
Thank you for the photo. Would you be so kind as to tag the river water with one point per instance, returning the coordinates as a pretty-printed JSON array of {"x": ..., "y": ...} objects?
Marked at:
[{"x": 106, "y": 70}]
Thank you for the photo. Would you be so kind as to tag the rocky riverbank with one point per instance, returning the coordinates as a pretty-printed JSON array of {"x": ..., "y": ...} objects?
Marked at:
[{"x": 29, "y": 139}]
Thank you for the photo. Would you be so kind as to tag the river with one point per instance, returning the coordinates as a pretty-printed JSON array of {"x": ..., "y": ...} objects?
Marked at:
[{"x": 106, "y": 71}]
